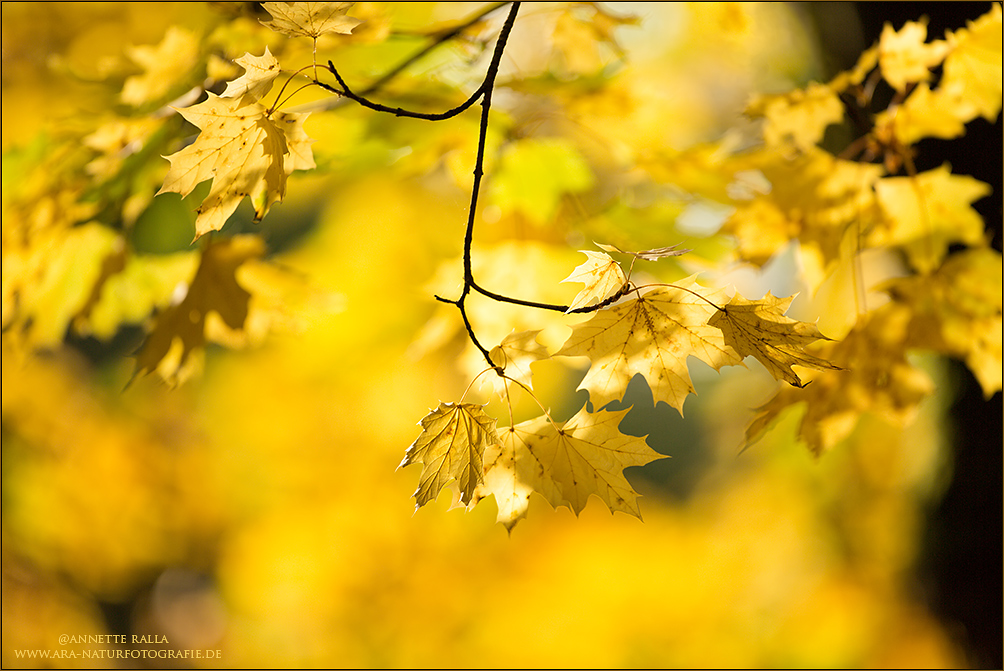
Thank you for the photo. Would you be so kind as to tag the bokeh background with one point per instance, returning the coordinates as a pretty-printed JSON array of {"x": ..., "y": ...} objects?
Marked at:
[{"x": 256, "y": 509}]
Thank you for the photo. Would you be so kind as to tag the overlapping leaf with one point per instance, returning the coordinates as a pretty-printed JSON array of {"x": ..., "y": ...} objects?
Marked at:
[
  {"x": 651, "y": 333},
  {"x": 760, "y": 329},
  {"x": 180, "y": 330},
  {"x": 566, "y": 464},
  {"x": 451, "y": 447},
  {"x": 247, "y": 150},
  {"x": 602, "y": 277},
  {"x": 515, "y": 354},
  {"x": 259, "y": 73}
]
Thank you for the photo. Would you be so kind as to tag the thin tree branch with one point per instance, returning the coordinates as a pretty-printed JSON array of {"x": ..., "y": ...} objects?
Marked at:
[
  {"x": 439, "y": 39},
  {"x": 396, "y": 111}
]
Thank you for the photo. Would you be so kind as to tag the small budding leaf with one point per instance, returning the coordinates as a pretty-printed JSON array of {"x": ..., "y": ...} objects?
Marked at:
[
  {"x": 515, "y": 354},
  {"x": 601, "y": 275},
  {"x": 310, "y": 19},
  {"x": 451, "y": 447},
  {"x": 648, "y": 254},
  {"x": 760, "y": 329},
  {"x": 259, "y": 72}
]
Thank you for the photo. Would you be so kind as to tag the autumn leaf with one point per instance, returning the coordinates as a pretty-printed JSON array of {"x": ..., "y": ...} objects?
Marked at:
[
  {"x": 515, "y": 354},
  {"x": 651, "y": 334},
  {"x": 928, "y": 212},
  {"x": 180, "y": 330},
  {"x": 973, "y": 67},
  {"x": 800, "y": 117},
  {"x": 905, "y": 57},
  {"x": 872, "y": 374},
  {"x": 451, "y": 447},
  {"x": 259, "y": 72},
  {"x": 566, "y": 464},
  {"x": 310, "y": 19},
  {"x": 814, "y": 198},
  {"x": 52, "y": 280},
  {"x": 760, "y": 329},
  {"x": 648, "y": 254},
  {"x": 957, "y": 311},
  {"x": 601, "y": 275},
  {"x": 164, "y": 66},
  {"x": 245, "y": 150},
  {"x": 144, "y": 284}
]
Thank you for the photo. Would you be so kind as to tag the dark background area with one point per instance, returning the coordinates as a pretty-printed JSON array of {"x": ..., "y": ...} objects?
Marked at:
[{"x": 962, "y": 559}]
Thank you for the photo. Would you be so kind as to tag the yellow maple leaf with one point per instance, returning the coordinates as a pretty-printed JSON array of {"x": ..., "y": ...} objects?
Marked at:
[
  {"x": 310, "y": 19},
  {"x": 259, "y": 72},
  {"x": 648, "y": 254},
  {"x": 451, "y": 447},
  {"x": 760, "y": 329},
  {"x": 651, "y": 334},
  {"x": 973, "y": 67},
  {"x": 245, "y": 150},
  {"x": 814, "y": 198},
  {"x": 53, "y": 279},
  {"x": 799, "y": 117},
  {"x": 905, "y": 57},
  {"x": 956, "y": 310},
  {"x": 566, "y": 464},
  {"x": 180, "y": 330},
  {"x": 602, "y": 277},
  {"x": 515, "y": 354},
  {"x": 928, "y": 212},
  {"x": 164, "y": 66},
  {"x": 871, "y": 374},
  {"x": 927, "y": 113},
  {"x": 513, "y": 472}
]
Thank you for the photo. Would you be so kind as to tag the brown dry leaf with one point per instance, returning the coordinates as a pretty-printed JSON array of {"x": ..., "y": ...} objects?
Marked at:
[
  {"x": 451, "y": 447},
  {"x": 310, "y": 19},
  {"x": 760, "y": 329},
  {"x": 180, "y": 330},
  {"x": 602, "y": 277},
  {"x": 651, "y": 334}
]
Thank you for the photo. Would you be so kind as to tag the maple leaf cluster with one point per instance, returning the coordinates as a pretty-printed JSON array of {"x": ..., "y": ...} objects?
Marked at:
[
  {"x": 649, "y": 331},
  {"x": 67, "y": 269}
]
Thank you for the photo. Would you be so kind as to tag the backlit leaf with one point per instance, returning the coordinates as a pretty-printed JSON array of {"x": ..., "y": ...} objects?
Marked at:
[
  {"x": 651, "y": 333},
  {"x": 760, "y": 329},
  {"x": 566, "y": 464},
  {"x": 180, "y": 330},
  {"x": 602, "y": 277},
  {"x": 259, "y": 72},
  {"x": 244, "y": 150},
  {"x": 310, "y": 19},
  {"x": 451, "y": 447}
]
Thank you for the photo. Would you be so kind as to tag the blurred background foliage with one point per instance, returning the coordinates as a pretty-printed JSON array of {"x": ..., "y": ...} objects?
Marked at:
[{"x": 257, "y": 510}]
